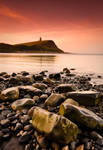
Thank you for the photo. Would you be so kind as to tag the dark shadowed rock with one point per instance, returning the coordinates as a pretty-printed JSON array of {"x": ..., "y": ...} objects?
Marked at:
[
  {"x": 63, "y": 88},
  {"x": 81, "y": 116},
  {"x": 56, "y": 76},
  {"x": 40, "y": 86},
  {"x": 86, "y": 98}
]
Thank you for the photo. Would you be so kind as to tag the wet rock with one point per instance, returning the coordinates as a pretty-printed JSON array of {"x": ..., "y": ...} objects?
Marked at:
[
  {"x": 63, "y": 88},
  {"x": 2, "y": 73},
  {"x": 43, "y": 97},
  {"x": 25, "y": 119},
  {"x": 24, "y": 138},
  {"x": 80, "y": 147},
  {"x": 95, "y": 135},
  {"x": 25, "y": 73},
  {"x": 27, "y": 127},
  {"x": 81, "y": 116},
  {"x": 18, "y": 127},
  {"x": 40, "y": 86},
  {"x": 30, "y": 90},
  {"x": 87, "y": 98},
  {"x": 22, "y": 103},
  {"x": 69, "y": 101},
  {"x": 65, "y": 147},
  {"x": 10, "y": 94},
  {"x": 56, "y": 76},
  {"x": 54, "y": 100},
  {"x": 14, "y": 81},
  {"x": 38, "y": 77},
  {"x": 36, "y": 98},
  {"x": 25, "y": 79},
  {"x": 5, "y": 122},
  {"x": 66, "y": 70},
  {"x": 1, "y": 79},
  {"x": 54, "y": 126},
  {"x": 12, "y": 144},
  {"x": 49, "y": 81}
]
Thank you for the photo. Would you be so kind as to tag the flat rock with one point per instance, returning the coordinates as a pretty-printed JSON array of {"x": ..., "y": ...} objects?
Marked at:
[
  {"x": 10, "y": 94},
  {"x": 86, "y": 98},
  {"x": 40, "y": 86},
  {"x": 63, "y": 88},
  {"x": 54, "y": 126},
  {"x": 22, "y": 103},
  {"x": 54, "y": 100},
  {"x": 30, "y": 89},
  {"x": 81, "y": 116},
  {"x": 25, "y": 79}
]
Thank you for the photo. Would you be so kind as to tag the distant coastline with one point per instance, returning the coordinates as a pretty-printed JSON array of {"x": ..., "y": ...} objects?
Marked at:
[{"x": 45, "y": 46}]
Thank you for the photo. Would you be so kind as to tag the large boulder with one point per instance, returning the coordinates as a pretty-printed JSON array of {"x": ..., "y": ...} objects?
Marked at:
[
  {"x": 22, "y": 103},
  {"x": 63, "y": 88},
  {"x": 10, "y": 94},
  {"x": 81, "y": 116},
  {"x": 30, "y": 90},
  {"x": 54, "y": 100},
  {"x": 55, "y": 127},
  {"x": 86, "y": 98}
]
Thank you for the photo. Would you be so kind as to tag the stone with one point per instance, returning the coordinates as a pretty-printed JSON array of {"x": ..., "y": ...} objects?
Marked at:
[
  {"x": 40, "y": 86},
  {"x": 99, "y": 142},
  {"x": 81, "y": 116},
  {"x": 18, "y": 127},
  {"x": 25, "y": 73},
  {"x": 95, "y": 135},
  {"x": 65, "y": 147},
  {"x": 5, "y": 122},
  {"x": 25, "y": 119},
  {"x": 56, "y": 76},
  {"x": 80, "y": 147},
  {"x": 63, "y": 88},
  {"x": 25, "y": 137},
  {"x": 69, "y": 101},
  {"x": 25, "y": 79},
  {"x": 36, "y": 98},
  {"x": 28, "y": 127},
  {"x": 43, "y": 97},
  {"x": 22, "y": 103},
  {"x": 49, "y": 81},
  {"x": 14, "y": 81},
  {"x": 54, "y": 100},
  {"x": 86, "y": 98},
  {"x": 66, "y": 70},
  {"x": 10, "y": 94},
  {"x": 54, "y": 126},
  {"x": 38, "y": 77},
  {"x": 30, "y": 90}
]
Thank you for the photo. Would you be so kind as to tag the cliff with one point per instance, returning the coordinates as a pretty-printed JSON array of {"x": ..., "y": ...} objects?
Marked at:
[{"x": 47, "y": 46}]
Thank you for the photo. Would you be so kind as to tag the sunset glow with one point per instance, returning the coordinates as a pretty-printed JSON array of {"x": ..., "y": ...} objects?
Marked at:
[{"x": 75, "y": 25}]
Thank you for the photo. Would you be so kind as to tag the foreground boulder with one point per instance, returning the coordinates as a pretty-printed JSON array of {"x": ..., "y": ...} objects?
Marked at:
[
  {"x": 54, "y": 126},
  {"x": 81, "y": 116},
  {"x": 54, "y": 100},
  {"x": 63, "y": 88},
  {"x": 22, "y": 103},
  {"x": 86, "y": 98},
  {"x": 10, "y": 94}
]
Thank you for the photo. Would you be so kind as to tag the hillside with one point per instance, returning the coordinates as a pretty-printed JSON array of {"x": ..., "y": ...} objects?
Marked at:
[{"x": 47, "y": 46}]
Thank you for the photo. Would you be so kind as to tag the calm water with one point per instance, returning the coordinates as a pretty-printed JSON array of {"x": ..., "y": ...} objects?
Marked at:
[{"x": 51, "y": 62}]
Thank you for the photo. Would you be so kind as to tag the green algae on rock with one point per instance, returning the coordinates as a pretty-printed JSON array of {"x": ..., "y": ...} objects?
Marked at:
[{"x": 54, "y": 126}]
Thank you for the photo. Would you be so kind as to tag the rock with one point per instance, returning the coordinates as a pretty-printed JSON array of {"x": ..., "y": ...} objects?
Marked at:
[
  {"x": 24, "y": 138},
  {"x": 66, "y": 70},
  {"x": 5, "y": 122},
  {"x": 18, "y": 127},
  {"x": 99, "y": 142},
  {"x": 12, "y": 144},
  {"x": 73, "y": 145},
  {"x": 54, "y": 100},
  {"x": 80, "y": 147},
  {"x": 14, "y": 81},
  {"x": 65, "y": 147},
  {"x": 10, "y": 94},
  {"x": 43, "y": 97},
  {"x": 25, "y": 79},
  {"x": 28, "y": 127},
  {"x": 49, "y": 81},
  {"x": 25, "y": 119},
  {"x": 81, "y": 116},
  {"x": 38, "y": 77},
  {"x": 55, "y": 146},
  {"x": 3, "y": 73},
  {"x": 22, "y": 103},
  {"x": 95, "y": 135},
  {"x": 1, "y": 79},
  {"x": 30, "y": 90},
  {"x": 69, "y": 101},
  {"x": 86, "y": 98},
  {"x": 25, "y": 73},
  {"x": 54, "y": 126},
  {"x": 56, "y": 76},
  {"x": 63, "y": 88},
  {"x": 28, "y": 147},
  {"x": 36, "y": 98},
  {"x": 40, "y": 86}
]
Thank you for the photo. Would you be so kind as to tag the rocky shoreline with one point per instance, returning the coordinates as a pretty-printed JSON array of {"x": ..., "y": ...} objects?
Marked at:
[{"x": 58, "y": 111}]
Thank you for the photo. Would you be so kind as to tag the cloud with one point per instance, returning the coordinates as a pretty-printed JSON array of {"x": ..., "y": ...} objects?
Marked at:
[{"x": 8, "y": 12}]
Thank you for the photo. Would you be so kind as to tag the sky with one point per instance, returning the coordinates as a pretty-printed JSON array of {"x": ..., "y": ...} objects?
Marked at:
[{"x": 75, "y": 25}]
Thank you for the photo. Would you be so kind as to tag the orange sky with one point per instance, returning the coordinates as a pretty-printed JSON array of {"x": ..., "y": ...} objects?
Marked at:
[{"x": 75, "y": 25}]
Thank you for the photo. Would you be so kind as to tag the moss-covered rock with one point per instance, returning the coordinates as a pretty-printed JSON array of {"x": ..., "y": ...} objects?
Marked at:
[
  {"x": 63, "y": 88},
  {"x": 10, "y": 94},
  {"x": 54, "y": 100},
  {"x": 81, "y": 116},
  {"x": 86, "y": 98},
  {"x": 22, "y": 103},
  {"x": 54, "y": 126}
]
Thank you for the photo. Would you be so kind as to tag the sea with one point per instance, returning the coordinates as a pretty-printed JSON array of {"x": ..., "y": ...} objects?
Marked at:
[{"x": 34, "y": 63}]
